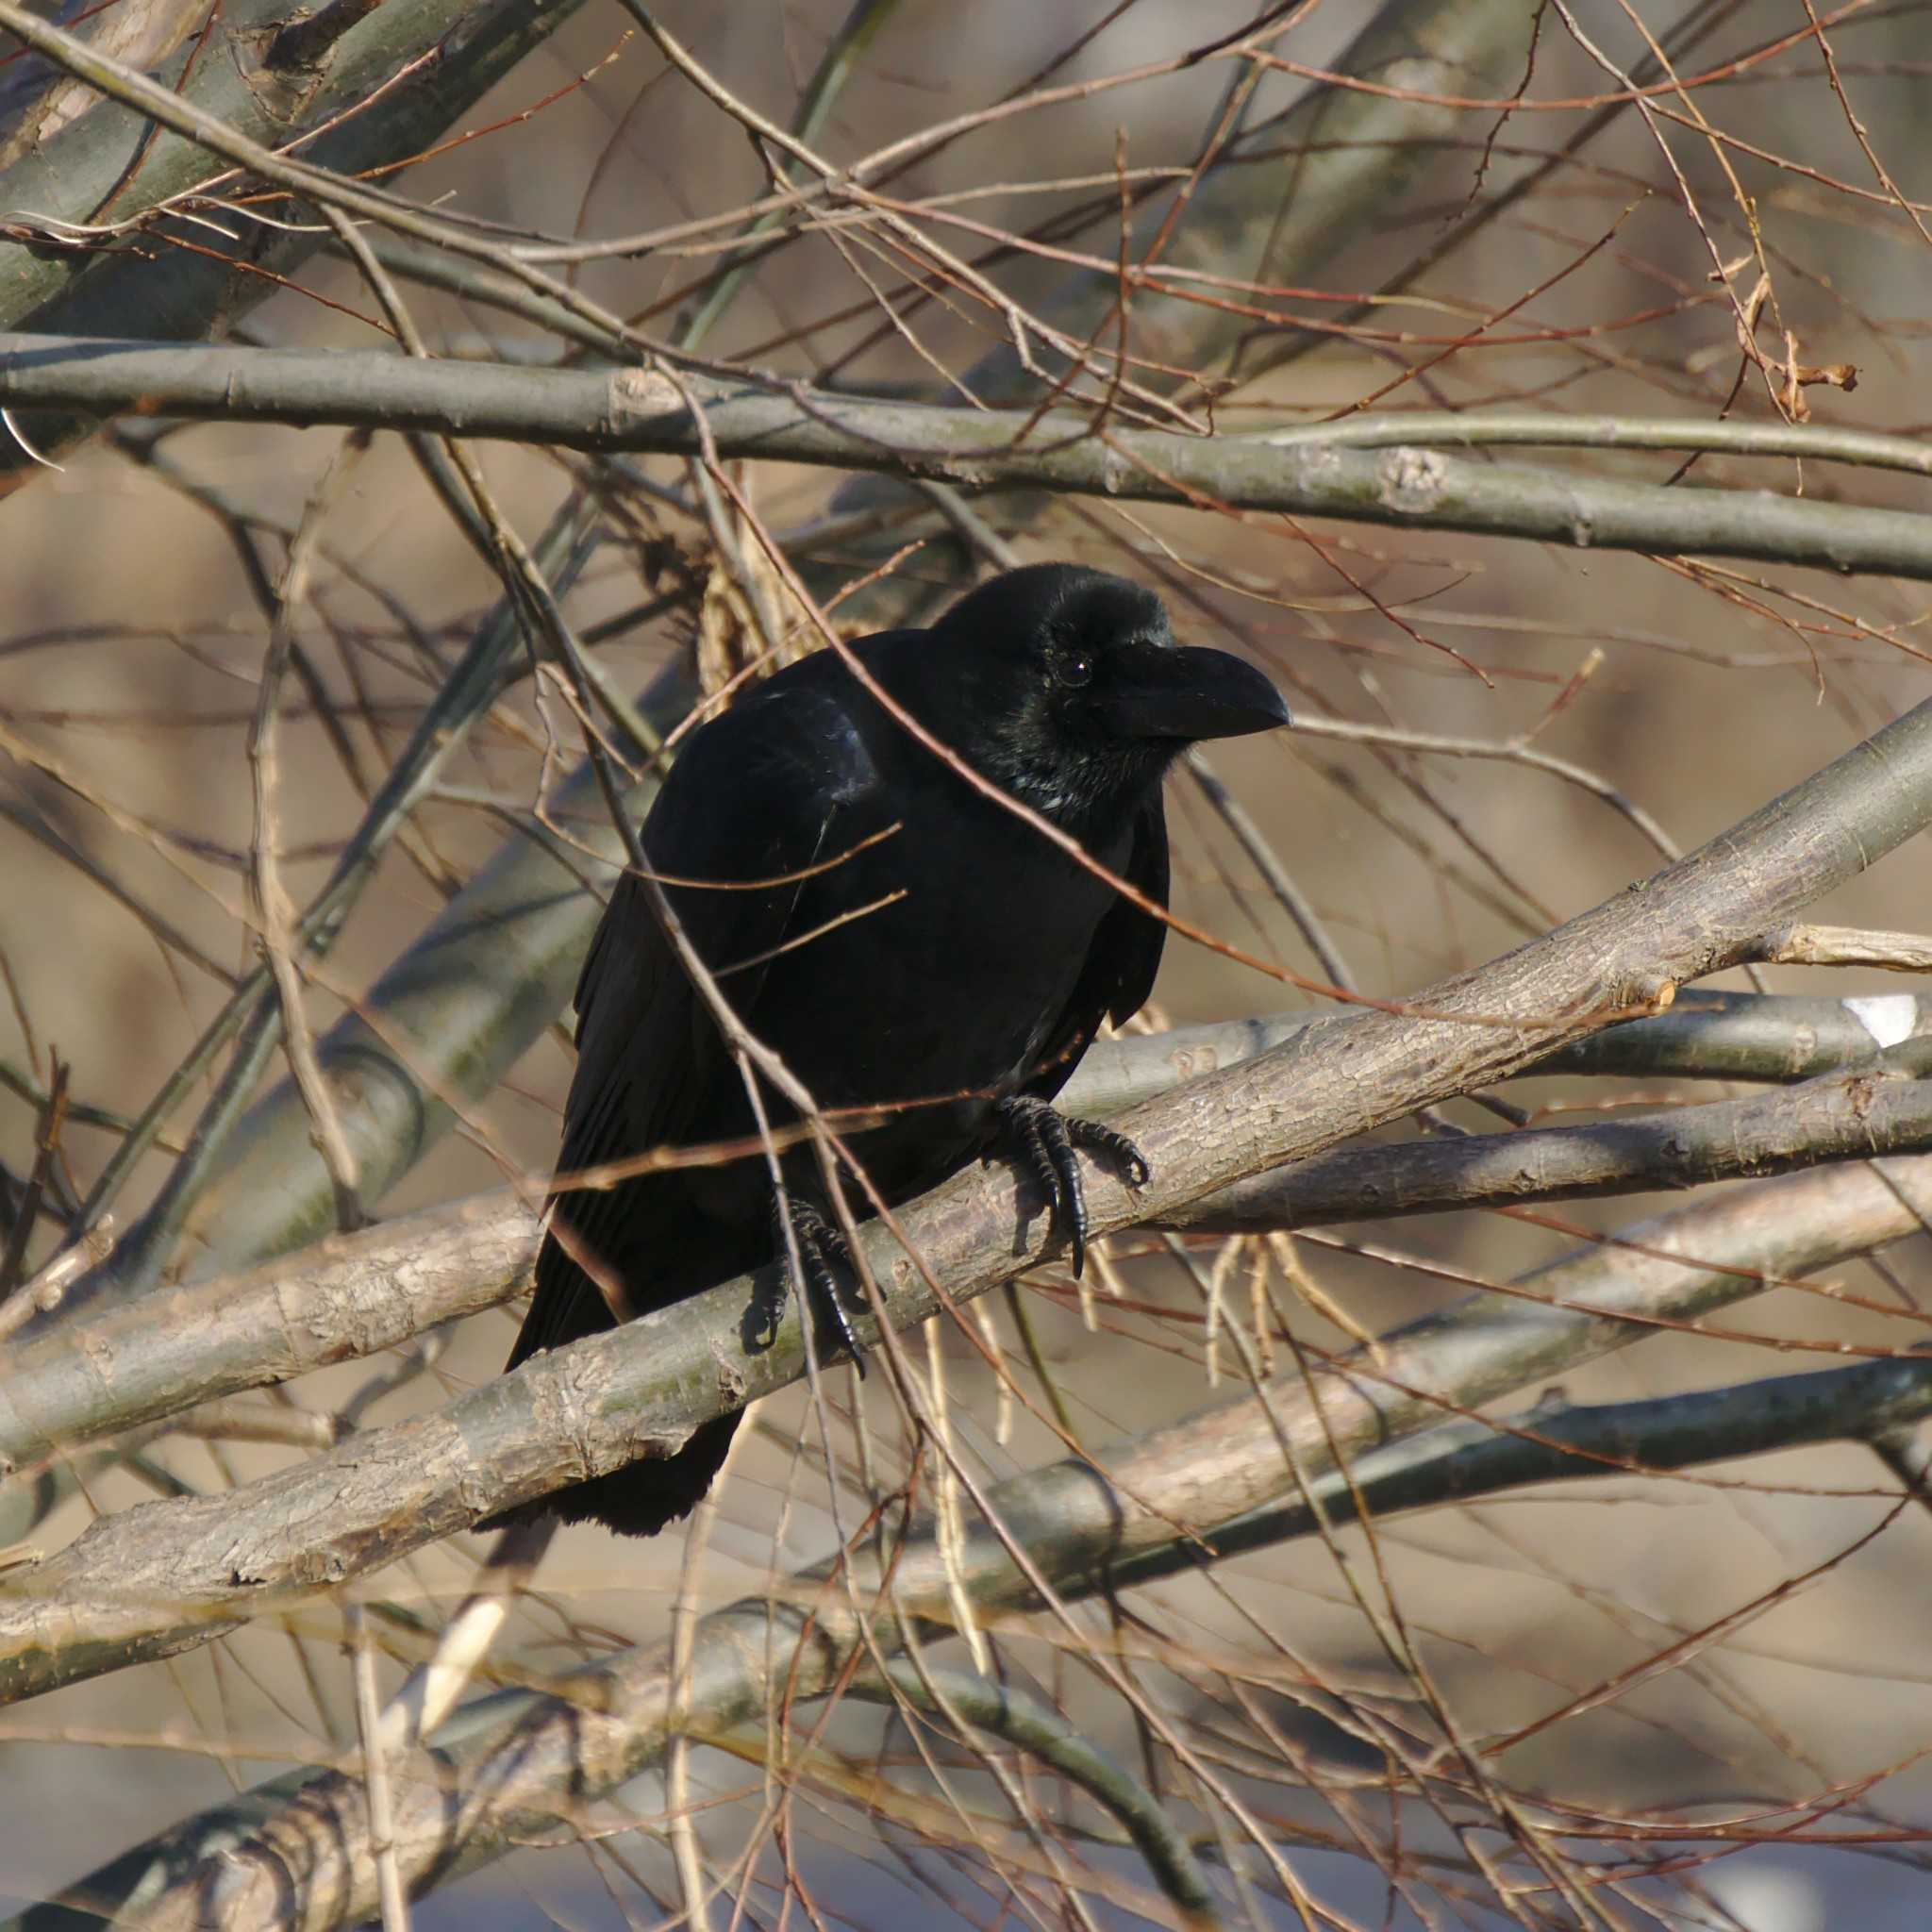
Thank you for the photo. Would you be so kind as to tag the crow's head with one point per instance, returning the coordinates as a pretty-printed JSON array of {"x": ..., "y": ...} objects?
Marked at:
[{"x": 1072, "y": 693}]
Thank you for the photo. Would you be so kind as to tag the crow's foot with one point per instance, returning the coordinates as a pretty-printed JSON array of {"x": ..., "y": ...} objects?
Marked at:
[
  {"x": 825, "y": 1257},
  {"x": 1046, "y": 1139}
]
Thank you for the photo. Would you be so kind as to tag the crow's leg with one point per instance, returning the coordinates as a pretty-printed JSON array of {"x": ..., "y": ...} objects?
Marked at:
[
  {"x": 1045, "y": 1139},
  {"x": 824, "y": 1255}
]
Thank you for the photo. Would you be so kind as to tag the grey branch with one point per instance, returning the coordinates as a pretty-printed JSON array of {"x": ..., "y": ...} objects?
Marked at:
[
  {"x": 506, "y": 1767},
  {"x": 1704, "y": 1036},
  {"x": 637, "y": 411},
  {"x": 1840, "y": 1117},
  {"x": 352, "y": 1295},
  {"x": 1571, "y": 1442},
  {"x": 165, "y": 1577},
  {"x": 412, "y": 1056},
  {"x": 1011, "y": 1712},
  {"x": 52, "y": 273},
  {"x": 1502, "y": 429}
]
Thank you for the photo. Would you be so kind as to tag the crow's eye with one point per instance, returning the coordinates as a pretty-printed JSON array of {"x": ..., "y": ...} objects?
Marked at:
[{"x": 1075, "y": 667}]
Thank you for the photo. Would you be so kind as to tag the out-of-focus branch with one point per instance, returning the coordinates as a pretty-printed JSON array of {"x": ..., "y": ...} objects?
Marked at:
[
  {"x": 252, "y": 1016},
  {"x": 61, "y": 270},
  {"x": 1568, "y": 1441},
  {"x": 1364, "y": 156},
  {"x": 274, "y": 1195},
  {"x": 844, "y": 51},
  {"x": 629, "y": 410},
  {"x": 508, "y": 1766},
  {"x": 162, "y": 1578},
  {"x": 438, "y": 1030},
  {"x": 37, "y": 99},
  {"x": 1008, "y": 1712},
  {"x": 1267, "y": 861}
]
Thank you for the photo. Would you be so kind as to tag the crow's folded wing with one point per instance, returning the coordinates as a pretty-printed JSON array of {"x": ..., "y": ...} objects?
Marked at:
[{"x": 749, "y": 801}]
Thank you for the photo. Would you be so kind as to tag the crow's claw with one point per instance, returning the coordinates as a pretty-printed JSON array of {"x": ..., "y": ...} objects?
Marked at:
[
  {"x": 824, "y": 1253},
  {"x": 1045, "y": 1139},
  {"x": 1100, "y": 1138}
]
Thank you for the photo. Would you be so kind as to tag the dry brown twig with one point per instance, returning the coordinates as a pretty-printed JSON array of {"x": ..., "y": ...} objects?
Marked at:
[{"x": 926, "y": 258}]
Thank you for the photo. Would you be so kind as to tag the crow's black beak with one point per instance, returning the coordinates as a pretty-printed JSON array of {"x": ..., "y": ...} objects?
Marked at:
[{"x": 1187, "y": 693}]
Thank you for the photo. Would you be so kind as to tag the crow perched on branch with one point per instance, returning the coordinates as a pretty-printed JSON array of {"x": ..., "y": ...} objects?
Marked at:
[{"x": 893, "y": 933}]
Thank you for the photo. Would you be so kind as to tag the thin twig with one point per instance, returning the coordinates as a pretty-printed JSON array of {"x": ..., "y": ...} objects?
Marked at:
[
  {"x": 1844, "y": 945},
  {"x": 272, "y": 908},
  {"x": 382, "y": 1845}
]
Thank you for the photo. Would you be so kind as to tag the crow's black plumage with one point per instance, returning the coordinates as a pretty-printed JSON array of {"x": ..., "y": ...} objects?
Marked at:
[{"x": 976, "y": 991}]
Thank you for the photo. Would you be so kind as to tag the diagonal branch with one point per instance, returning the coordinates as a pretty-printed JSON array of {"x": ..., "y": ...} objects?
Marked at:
[
  {"x": 352, "y": 1296},
  {"x": 508, "y": 1766},
  {"x": 164, "y": 1578},
  {"x": 392, "y": 85}
]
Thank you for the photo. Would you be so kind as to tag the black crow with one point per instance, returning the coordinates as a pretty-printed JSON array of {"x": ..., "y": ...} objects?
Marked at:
[{"x": 961, "y": 960}]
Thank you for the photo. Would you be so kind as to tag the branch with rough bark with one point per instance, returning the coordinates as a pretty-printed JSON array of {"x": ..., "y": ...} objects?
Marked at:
[
  {"x": 353, "y": 1295},
  {"x": 163, "y": 1577},
  {"x": 230, "y": 112},
  {"x": 386, "y": 85},
  {"x": 310, "y": 1851},
  {"x": 411, "y": 1056},
  {"x": 508, "y": 1768}
]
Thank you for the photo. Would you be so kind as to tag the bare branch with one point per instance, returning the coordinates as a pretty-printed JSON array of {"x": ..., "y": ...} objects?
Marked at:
[
  {"x": 1411, "y": 485},
  {"x": 1844, "y": 945},
  {"x": 165, "y": 1577},
  {"x": 515, "y": 1761},
  {"x": 255, "y": 1017},
  {"x": 351, "y": 1298},
  {"x": 1562, "y": 1442},
  {"x": 1009, "y": 1712},
  {"x": 1841, "y": 1117},
  {"x": 351, "y": 114}
]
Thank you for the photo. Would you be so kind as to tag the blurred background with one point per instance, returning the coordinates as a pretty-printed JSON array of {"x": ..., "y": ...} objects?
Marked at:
[{"x": 1603, "y": 278}]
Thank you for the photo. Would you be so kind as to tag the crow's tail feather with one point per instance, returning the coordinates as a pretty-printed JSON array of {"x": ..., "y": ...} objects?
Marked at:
[{"x": 646, "y": 1496}]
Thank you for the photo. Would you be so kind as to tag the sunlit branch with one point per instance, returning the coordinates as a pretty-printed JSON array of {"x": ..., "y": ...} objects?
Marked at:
[
  {"x": 509, "y": 1765},
  {"x": 1408, "y": 484},
  {"x": 153, "y": 1581},
  {"x": 353, "y": 1296}
]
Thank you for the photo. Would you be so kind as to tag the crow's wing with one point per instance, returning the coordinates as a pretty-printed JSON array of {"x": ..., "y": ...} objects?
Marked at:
[
  {"x": 761, "y": 793},
  {"x": 1122, "y": 960}
]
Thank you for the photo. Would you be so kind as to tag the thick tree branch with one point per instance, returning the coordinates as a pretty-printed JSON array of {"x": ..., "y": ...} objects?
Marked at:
[
  {"x": 1841, "y": 1117},
  {"x": 352, "y": 1295},
  {"x": 1572, "y": 1441},
  {"x": 58, "y": 273},
  {"x": 1369, "y": 155},
  {"x": 1706, "y": 1034},
  {"x": 162, "y": 1578},
  {"x": 294, "y": 1850}
]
